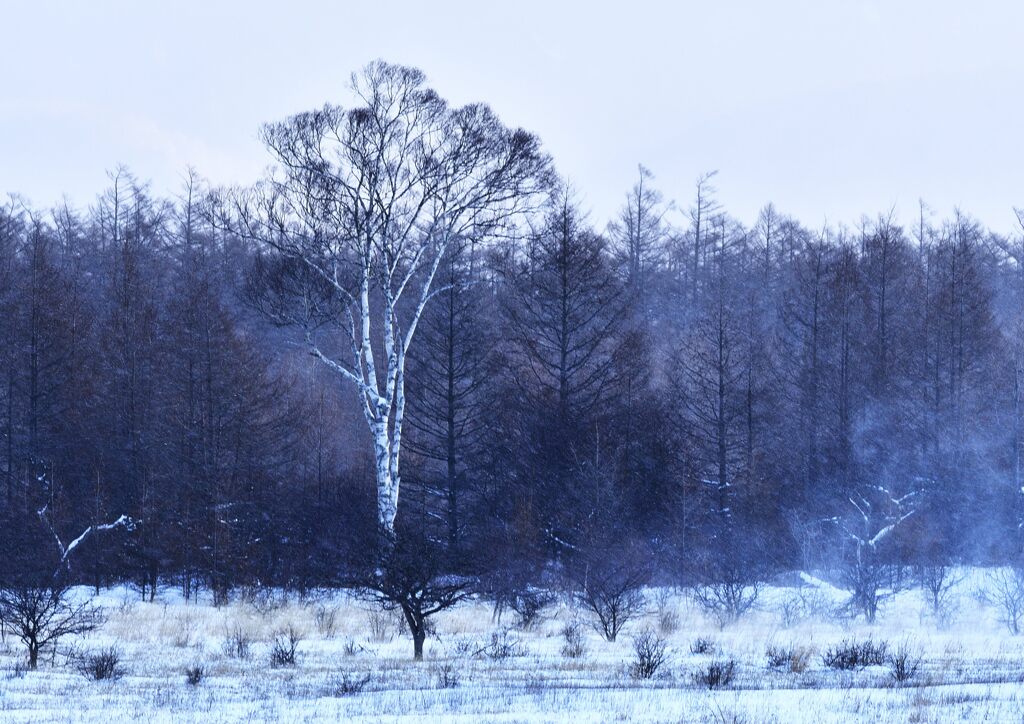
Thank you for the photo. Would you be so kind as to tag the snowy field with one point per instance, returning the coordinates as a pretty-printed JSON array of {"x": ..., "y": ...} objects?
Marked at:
[{"x": 353, "y": 664}]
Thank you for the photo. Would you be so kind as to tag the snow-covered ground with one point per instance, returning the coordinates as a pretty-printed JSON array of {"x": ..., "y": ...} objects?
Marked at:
[{"x": 970, "y": 670}]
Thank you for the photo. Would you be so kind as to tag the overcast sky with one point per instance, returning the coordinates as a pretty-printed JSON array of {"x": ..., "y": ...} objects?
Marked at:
[{"x": 829, "y": 109}]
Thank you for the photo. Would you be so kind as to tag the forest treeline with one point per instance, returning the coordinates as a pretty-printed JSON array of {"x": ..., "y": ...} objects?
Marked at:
[{"x": 676, "y": 390}]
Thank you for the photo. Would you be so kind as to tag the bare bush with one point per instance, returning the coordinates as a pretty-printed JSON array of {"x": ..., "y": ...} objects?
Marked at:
[
  {"x": 383, "y": 625},
  {"x": 937, "y": 582},
  {"x": 613, "y": 593},
  {"x": 668, "y": 617},
  {"x": 701, "y": 645},
  {"x": 802, "y": 604},
  {"x": 351, "y": 648},
  {"x": 668, "y": 622},
  {"x": 729, "y": 600},
  {"x": 349, "y": 684},
  {"x": 102, "y": 665},
  {"x": 185, "y": 629},
  {"x": 263, "y": 599},
  {"x": 194, "y": 675},
  {"x": 1005, "y": 590},
  {"x": 650, "y": 652},
  {"x": 574, "y": 646},
  {"x": 529, "y": 605},
  {"x": 716, "y": 674},
  {"x": 447, "y": 676},
  {"x": 503, "y": 645},
  {"x": 849, "y": 655},
  {"x": 903, "y": 664},
  {"x": 791, "y": 611},
  {"x": 237, "y": 643},
  {"x": 284, "y": 647},
  {"x": 325, "y": 618},
  {"x": 792, "y": 658}
]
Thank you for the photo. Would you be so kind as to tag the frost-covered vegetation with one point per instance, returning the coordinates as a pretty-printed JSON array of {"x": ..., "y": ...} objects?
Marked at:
[{"x": 170, "y": 660}]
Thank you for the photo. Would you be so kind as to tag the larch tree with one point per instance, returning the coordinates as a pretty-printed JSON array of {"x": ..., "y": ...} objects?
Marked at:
[
  {"x": 565, "y": 310},
  {"x": 450, "y": 370},
  {"x": 639, "y": 233},
  {"x": 11, "y": 223}
]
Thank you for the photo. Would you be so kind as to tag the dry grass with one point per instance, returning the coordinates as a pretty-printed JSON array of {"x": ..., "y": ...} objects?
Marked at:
[{"x": 160, "y": 641}]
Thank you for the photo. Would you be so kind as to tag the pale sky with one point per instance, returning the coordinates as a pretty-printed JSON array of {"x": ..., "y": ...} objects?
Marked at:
[{"x": 829, "y": 109}]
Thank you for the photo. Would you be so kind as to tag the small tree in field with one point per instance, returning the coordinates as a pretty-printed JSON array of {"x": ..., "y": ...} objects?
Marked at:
[
  {"x": 729, "y": 593},
  {"x": 409, "y": 575},
  {"x": 611, "y": 588},
  {"x": 938, "y": 580},
  {"x": 40, "y": 615},
  {"x": 864, "y": 572},
  {"x": 35, "y": 607},
  {"x": 1005, "y": 590}
]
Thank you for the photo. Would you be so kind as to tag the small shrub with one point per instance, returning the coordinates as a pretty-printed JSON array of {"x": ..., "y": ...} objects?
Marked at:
[
  {"x": 802, "y": 604},
  {"x": 17, "y": 671},
  {"x": 264, "y": 600},
  {"x": 194, "y": 675},
  {"x": 668, "y": 622},
  {"x": 613, "y": 593},
  {"x": 1005, "y": 590},
  {"x": 462, "y": 647},
  {"x": 535, "y": 684},
  {"x": 70, "y": 654},
  {"x": 777, "y": 656},
  {"x": 574, "y": 646},
  {"x": 529, "y": 605},
  {"x": 791, "y": 611},
  {"x": 326, "y": 620},
  {"x": 668, "y": 617},
  {"x": 447, "y": 676},
  {"x": 716, "y": 674},
  {"x": 794, "y": 659},
  {"x": 503, "y": 645},
  {"x": 650, "y": 654},
  {"x": 237, "y": 643},
  {"x": 729, "y": 600},
  {"x": 350, "y": 684},
  {"x": 849, "y": 655},
  {"x": 384, "y": 626},
  {"x": 185, "y": 629},
  {"x": 101, "y": 666},
  {"x": 701, "y": 645},
  {"x": 903, "y": 664},
  {"x": 938, "y": 583},
  {"x": 351, "y": 648},
  {"x": 284, "y": 647}
]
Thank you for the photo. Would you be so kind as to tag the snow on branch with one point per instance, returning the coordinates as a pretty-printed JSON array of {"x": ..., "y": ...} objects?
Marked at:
[
  {"x": 879, "y": 518},
  {"x": 122, "y": 521}
]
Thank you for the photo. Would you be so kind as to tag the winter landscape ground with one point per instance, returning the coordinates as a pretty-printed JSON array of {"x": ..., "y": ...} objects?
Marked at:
[{"x": 353, "y": 663}]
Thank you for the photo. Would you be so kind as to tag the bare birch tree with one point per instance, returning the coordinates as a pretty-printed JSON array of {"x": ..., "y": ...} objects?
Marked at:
[{"x": 365, "y": 201}]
